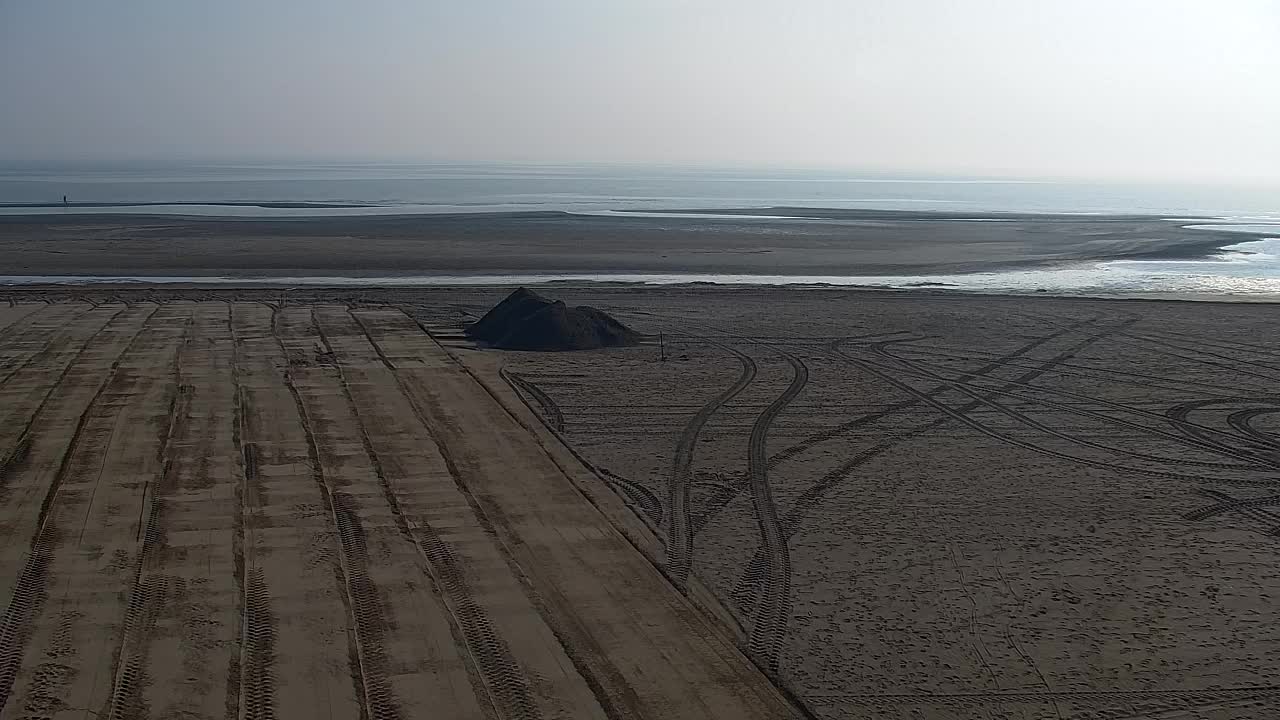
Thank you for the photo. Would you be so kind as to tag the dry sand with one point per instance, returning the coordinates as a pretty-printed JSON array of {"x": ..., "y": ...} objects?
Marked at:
[
  {"x": 898, "y": 505},
  {"x": 239, "y": 510},
  {"x": 952, "y": 507}
]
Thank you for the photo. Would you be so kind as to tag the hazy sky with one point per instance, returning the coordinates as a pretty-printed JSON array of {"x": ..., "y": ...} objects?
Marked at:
[{"x": 1087, "y": 88}]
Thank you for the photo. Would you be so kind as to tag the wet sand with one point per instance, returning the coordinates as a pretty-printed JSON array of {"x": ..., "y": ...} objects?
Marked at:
[
  {"x": 830, "y": 243},
  {"x": 891, "y": 505}
]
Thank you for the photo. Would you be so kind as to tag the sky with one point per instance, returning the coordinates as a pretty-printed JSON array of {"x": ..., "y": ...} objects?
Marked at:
[{"x": 1167, "y": 90}]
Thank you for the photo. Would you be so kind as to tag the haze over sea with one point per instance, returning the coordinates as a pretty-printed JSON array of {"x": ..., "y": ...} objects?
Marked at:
[{"x": 1250, "y": 270}]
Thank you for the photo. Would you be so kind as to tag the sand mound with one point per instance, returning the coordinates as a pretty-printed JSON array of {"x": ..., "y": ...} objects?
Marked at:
[{"x": 527, "y": 321}]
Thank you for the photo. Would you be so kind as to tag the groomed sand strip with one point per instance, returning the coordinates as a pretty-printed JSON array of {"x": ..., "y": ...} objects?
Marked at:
[
  {"x": 242, "y": 510},
  {"x": 649, "y": 652}
]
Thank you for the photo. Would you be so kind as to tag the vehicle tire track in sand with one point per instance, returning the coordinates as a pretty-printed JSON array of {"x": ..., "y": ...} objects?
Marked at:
[
  {"x": 1036, "y": 696},
  {"x": 1154, "y": 344},
  {"x": 29, "y": 590},
  {"x": 1178, "y": 414},
  {"x": 858, "y": 422},
  {"x": 1125, "y": 377},
  {"x": 1194, "y": 434},
  {"x": 1199, "y": 347},
  {"x": 641, "y": 496},
  {"x": 367, "y": 609},
  {"x": 719, "y": 500},
  {"x": 15, "y": 458},
  {"x": 504, "y": 680},
  {"x": 147, "y": 594},
  {"x": 17, "y": 328},
  {"x": 813, "y": 496},
  {"x": 1242, "y": 422},
  {"x": 13, "y": 366},
  {"x": 1221, "y": 344},
  {"x": 997, "y": 435},
  {"x": 368, "y": 667},
  {"x": 915, "y": 369},
  {"x": 1254, "y": 508},
  {"x": 772, "y": 610},
  {"x": 250, "y": 678},
  {"x": 679, "y": 533},
  {"x": 550, "y": 410},
  {"x": 645, "y": 503},
  {"x": 1230, "y": 504},
  {"x": 642, "y": 501}
]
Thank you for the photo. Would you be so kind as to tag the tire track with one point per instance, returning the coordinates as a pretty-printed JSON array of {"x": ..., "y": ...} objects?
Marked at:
[
  {"x": 730, "y": 491},
  {"x": 951, "y": 412},
  {"x": 1242, "y": 421},
  {"x": 641, "y": 496},
  {"x": 29, "y": 592},
  {"x": 813, "y": 496},
  {"x": 649, "y": 507},
  {"x": 986, "y": 369},
  {"x": 19, "y": 326},
  {"x": 14, "y": 460},
  {"x": 1175, "y": 416},
  {"x": 147, "y": 594},
  {"x": 366, "y": 606},
  {"x": 773, "y": 608},
  {"x": 505, "y": 683},
  {"x": 550, "y": 410},
  {"x": 16, "y": 457},
  {"x": 1027, "y": 420},
  {"x": 1219, "y": 343},
  {"x": 1198, "y": 347},
  {"x": 1146, "y": 341},
  {"x": 368, "y": 666},
  {"x": 914, "y": 367},
  {"x": 250, "y": 677},
  {"x": 1251, "y": 507},
  {"x": 990, "y": 697},
  {"x": 1178, "y": 414},
  {"x": 975, "y": 639},
  {"x": 679, "y": 532},
  {"x": 12, "y": 368},
  {"x": 258, "y": 650},
  {"x": 1090, "y": 372}
]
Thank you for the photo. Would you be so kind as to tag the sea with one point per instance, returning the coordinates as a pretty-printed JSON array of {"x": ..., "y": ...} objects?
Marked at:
[{"x": 1249, "y": 270}]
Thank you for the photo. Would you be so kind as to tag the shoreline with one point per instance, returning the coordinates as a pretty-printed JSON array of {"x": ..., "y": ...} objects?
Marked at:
[
  {"x": 762, "y": 212},
  {"x": 390, "y": 293}
]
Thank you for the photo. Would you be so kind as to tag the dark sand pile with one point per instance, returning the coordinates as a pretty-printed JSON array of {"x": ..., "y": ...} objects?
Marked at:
[{"x": 527, "y": 321}]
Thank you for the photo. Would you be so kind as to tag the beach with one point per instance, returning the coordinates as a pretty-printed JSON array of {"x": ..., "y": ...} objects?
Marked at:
[
  {"x": 640, "y": 361},
  {"x": 812, "y": 242},
  {"x": 882, "y": 504}
]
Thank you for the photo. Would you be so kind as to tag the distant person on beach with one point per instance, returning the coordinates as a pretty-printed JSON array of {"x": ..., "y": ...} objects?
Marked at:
[{"x": 64, "y": 201}]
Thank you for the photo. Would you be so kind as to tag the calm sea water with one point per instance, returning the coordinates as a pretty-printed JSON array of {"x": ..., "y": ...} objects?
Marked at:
[
  {"x": 392, "y": 188},
  {"x": 1248, "y": 271}
]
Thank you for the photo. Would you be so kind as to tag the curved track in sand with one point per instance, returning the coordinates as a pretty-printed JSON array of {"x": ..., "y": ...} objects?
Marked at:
[
  {"x": 679, "y": 532},
  {"x": 772, "y": 608}
]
